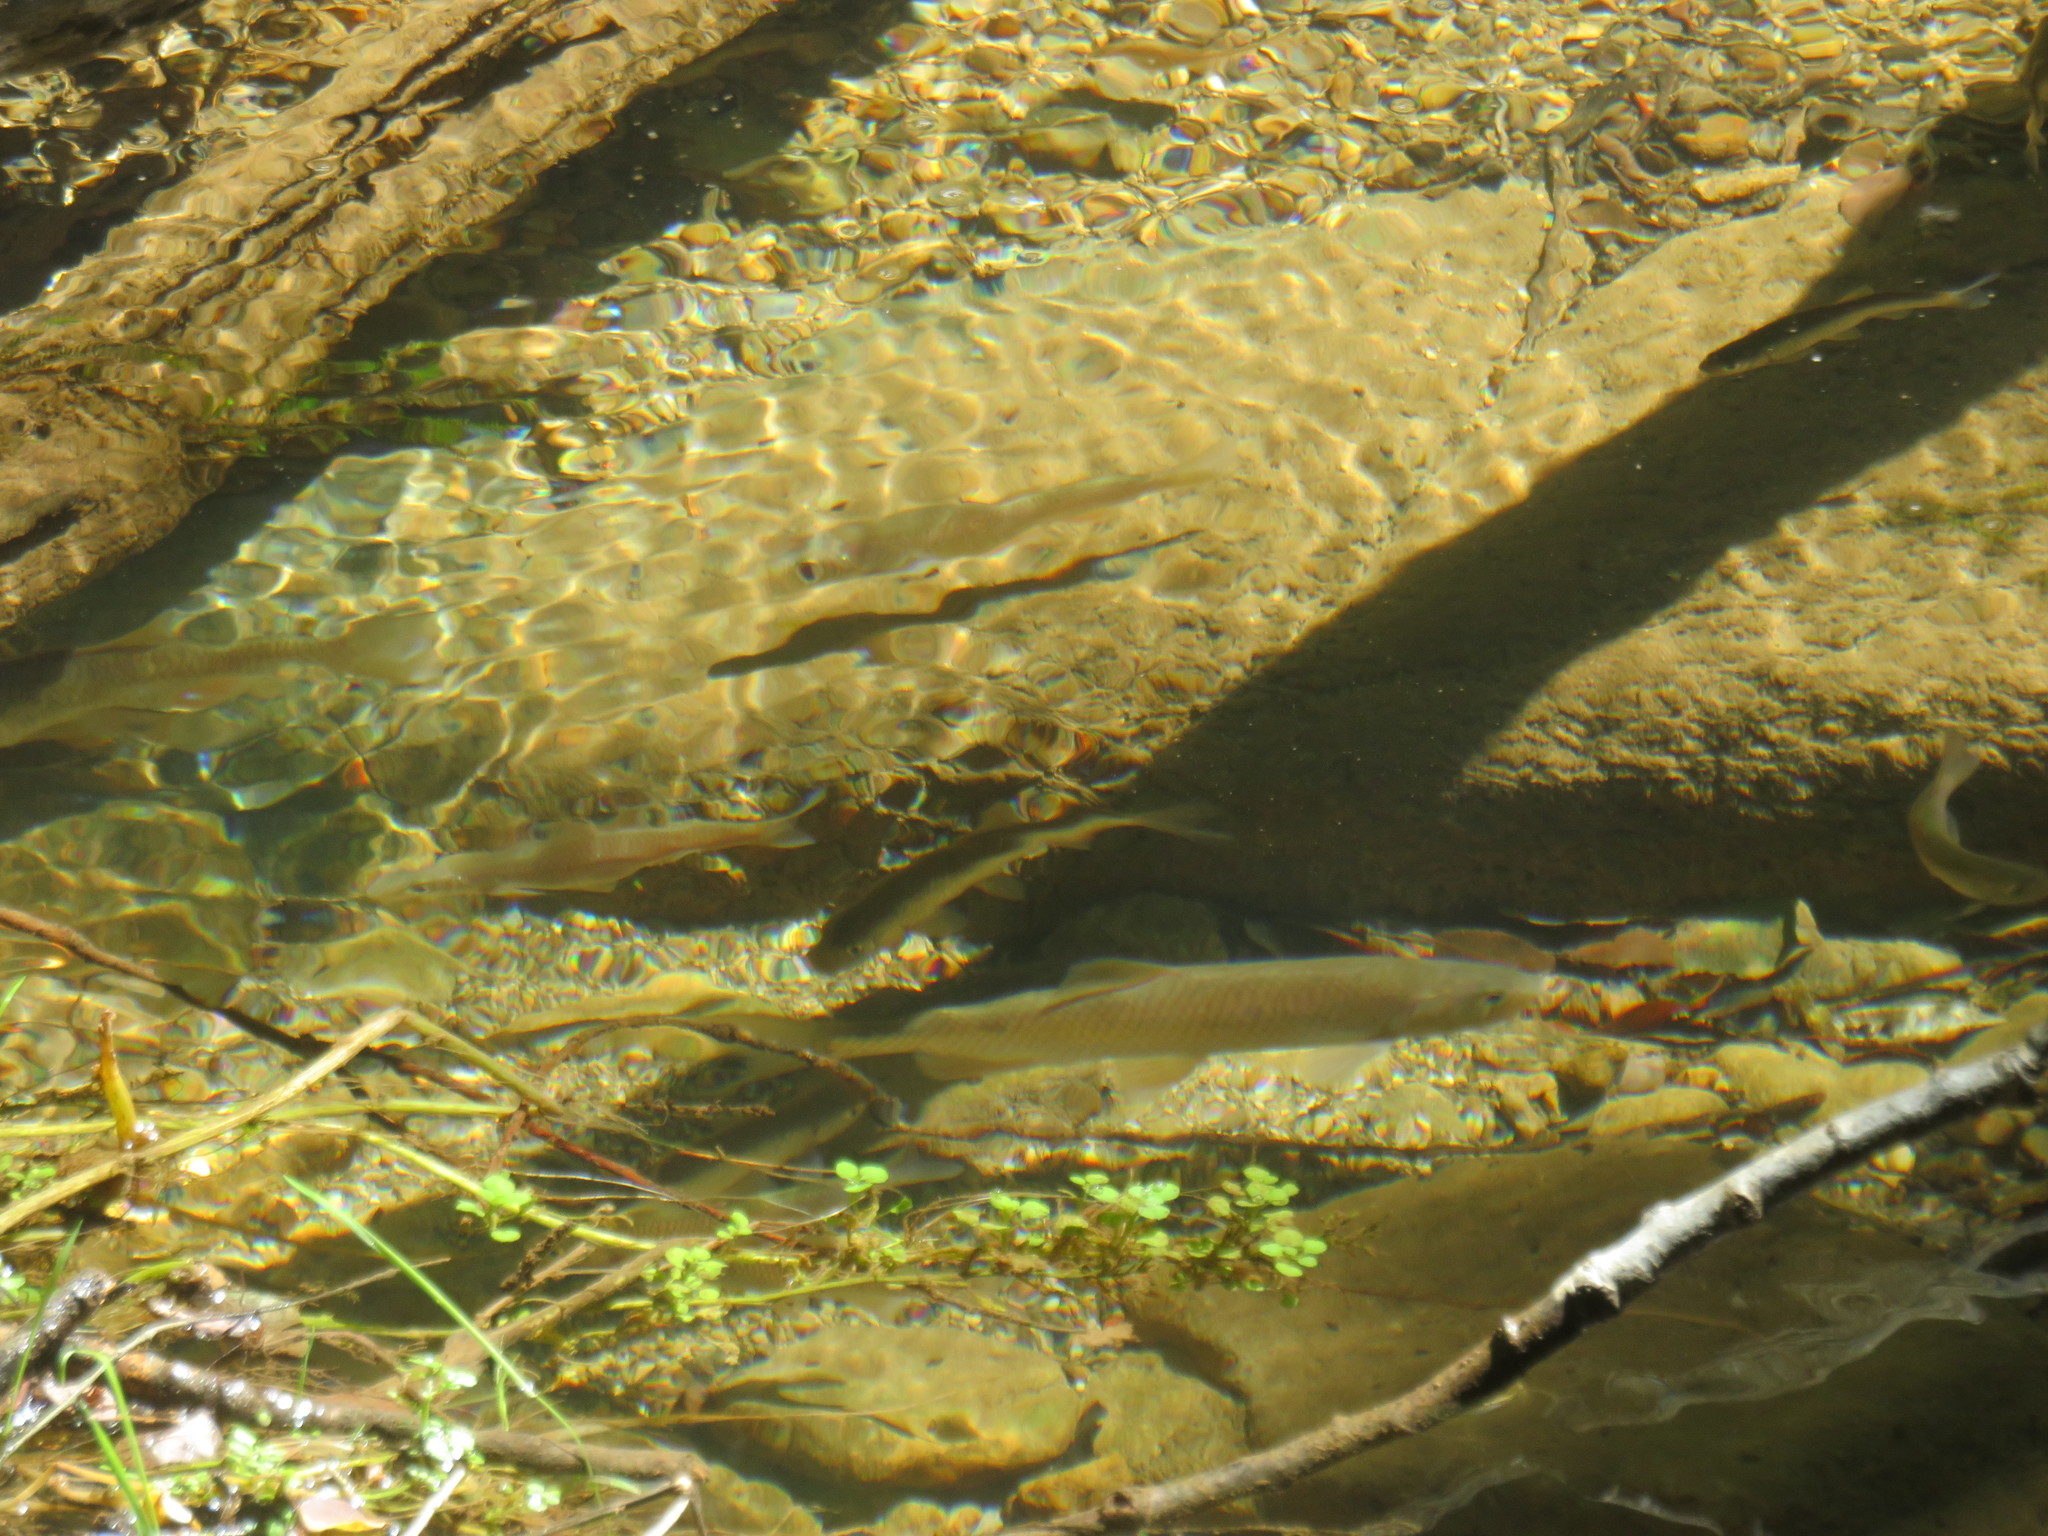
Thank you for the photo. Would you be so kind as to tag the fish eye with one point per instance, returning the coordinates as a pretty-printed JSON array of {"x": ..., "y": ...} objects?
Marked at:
[
  {"x": 1493, "y": 999},
  {"x": 807, "y": 569}
]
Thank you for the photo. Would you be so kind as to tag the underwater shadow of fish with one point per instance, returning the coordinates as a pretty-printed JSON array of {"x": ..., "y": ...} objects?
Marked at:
[
  {"x": 856, "y": 631},
  {"x": 1358, "y": 740}
]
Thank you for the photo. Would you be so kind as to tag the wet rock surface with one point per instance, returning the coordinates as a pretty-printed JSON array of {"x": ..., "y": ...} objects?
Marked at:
[
  {"x": 1719, "y": 1396},
  {"x": 928, "y": 1407},
  {"x": 1717, "y": 625}
]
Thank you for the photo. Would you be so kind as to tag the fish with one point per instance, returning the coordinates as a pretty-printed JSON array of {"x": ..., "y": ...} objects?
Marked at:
[
  {"x": 42, "y": 695},
  {"x": 1793, "y": 336},
  {"x": 582, "y": 857},
  {"x": 877, "y": 546},
  {"x": 1932, "y": 826},
  {"x": 1111, "y": 1009},
  {"x": 907, "y": 900}
]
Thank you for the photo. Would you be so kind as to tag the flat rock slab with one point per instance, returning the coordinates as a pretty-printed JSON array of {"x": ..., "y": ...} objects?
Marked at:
[
  {"x": 1438, "y": 630},
  {"x": 1770, "y": 1382},
  {"x": 1706, "y": 656}
]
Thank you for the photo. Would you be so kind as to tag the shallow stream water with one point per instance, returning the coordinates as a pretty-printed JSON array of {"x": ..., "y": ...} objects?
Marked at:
[{"x": 960, "y": 502}]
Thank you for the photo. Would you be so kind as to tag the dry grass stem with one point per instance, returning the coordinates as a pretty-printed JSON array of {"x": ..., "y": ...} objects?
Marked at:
[{"x": 123, "y": 1164}]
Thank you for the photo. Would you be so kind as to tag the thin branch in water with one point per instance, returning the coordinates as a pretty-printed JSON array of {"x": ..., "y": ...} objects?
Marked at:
[
  {"x": 424, "y": 1515},
  {"x": 885, "y": 1107},
  {"x": 619, "y": 1505},
  {"x": 77, "y": 945},
  {"x": 61, "y": 1314},
  {"x": 461, "y": 1349},
  {"x": 164, "y": 1379},
  {"x": 1595, "y": 1289}
]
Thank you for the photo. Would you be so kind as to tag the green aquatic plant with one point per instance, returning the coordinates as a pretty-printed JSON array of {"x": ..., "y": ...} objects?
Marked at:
[
  {"x": 683, "y": 1287},
  {"x": 499, "y": 1205},
  {"x": 859, "y": 1178},
  {"x": 1240, "y": 1235},
  {"x": 24, "y": 1175},
  {"x": 401, "y": 396},
  {"x": 137, "y": 1491}
]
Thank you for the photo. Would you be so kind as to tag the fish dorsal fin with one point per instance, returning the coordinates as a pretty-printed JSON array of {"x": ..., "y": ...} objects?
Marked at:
[
  {"x": 1092, "y": 978},
  {"x": 1099, "y": 975},
  {"x": 1003, "y": 814},
  {"x": 942, "y": 922}
]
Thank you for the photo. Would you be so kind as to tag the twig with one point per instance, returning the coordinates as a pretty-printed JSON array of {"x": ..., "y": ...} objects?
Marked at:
[
  {"x": 460, "y": 1349},
  {"x": 665, "y": 1519},
  {"x": 887, "y": 1110},
  {"x": 616, "y": 1506},
  {"x": 469, "y": 1051},
  {"x": 79, "y": 946},
  {"x": 123, "y": 1163},
  {"x": 76, "y": 944},
  {"x": 424, "y": 1515},
  {"x": 165, "y": 1378},
  {"x": 1597, "y": 1288},
  {"x": 25, "y": 1348}
]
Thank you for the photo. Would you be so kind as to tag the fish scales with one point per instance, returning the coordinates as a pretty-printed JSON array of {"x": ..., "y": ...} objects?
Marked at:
[{"x": 1111, "y": 1009}]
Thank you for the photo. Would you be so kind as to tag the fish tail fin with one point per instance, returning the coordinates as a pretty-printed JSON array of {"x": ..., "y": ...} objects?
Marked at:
[
  {"x": 391, "y": 647},
  {"x": 787, "y": 833},
  {"x": 1194, "y": 821},
  {"x": 1974, "y": 295}
]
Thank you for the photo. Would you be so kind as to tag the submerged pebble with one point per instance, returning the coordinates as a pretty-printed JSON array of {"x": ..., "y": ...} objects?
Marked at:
[{"x": 929, "y": 1407}]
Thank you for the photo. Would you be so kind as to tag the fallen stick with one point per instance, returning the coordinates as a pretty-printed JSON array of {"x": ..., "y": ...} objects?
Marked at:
[
  {"x": 62, "y": 1313},
  {"x": 163, "y": 1379},
  {"x": 1595, "y": 1289},
  {"x": 79, "y": 947}
]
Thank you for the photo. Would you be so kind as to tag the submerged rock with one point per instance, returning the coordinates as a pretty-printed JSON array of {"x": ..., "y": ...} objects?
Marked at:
[
  {"x": 919, "y": 1406},
  {"x": 1661, "y": 1109},
  {"x": 1156, "y": 1424},
  {"x": 1767, "y": 1079},
  {"x": 1774, "y": 1350}
]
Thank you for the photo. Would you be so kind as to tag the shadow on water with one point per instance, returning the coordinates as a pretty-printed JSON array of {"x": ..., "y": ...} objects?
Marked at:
[{"x": 1341, "y": 762}]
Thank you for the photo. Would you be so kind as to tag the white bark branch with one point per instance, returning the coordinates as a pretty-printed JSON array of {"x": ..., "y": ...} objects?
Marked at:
[{"x": 1591, "y": 1291}]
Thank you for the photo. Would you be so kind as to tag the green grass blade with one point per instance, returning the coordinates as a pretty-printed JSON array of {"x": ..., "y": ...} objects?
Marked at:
[
  {"x": 136, "y": 1492},
  {"x": 432, "y": 1292}
]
